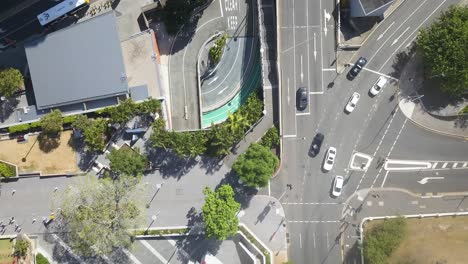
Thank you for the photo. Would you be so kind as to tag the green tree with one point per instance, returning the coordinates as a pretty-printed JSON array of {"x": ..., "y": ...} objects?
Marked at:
[
  {"x": 238, "y": 124},
  {"x": 219, "y": 212},
  {"x": 21, "y": 247},
  {"x": 216, "y": 51},
  {"x": 10, "y": 81},
  {"x": 40, "y": 259},
  {"x": 98, "y": 214},
  {"x": 383, "y": 239},
  {"x": 256, "y": 165},
  {"x": 95, "y": 135},
  {"x": 123, "y": 112},
  {"x": 444, "y": 51},
  {"x": 149, "y": 106},
  {"x": 52, "y": 123},
  {"x": 127, "y": 161},
  {"x": 81, "y": 122},
  {"x": 220, "y": 140}
]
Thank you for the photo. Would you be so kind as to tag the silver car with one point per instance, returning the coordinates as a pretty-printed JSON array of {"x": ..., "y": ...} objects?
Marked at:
[{"x": 329, "y": 159}]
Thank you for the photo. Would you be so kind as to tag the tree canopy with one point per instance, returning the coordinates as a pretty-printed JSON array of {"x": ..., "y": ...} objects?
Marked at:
[
  {"x": 97, "y": 214},
  {"x": 127, "y": 161},
  {"x": 52, "y": 123},
  {"x": 10, "y": 80},
  {"x": 443, "y": 46},
  {"x": 21, "y": 247},
  {"x": 95, "y": 134},
  {"x": 256, "y": 165},
  {"x": 219, "y": 212},
  {"x": 383, "y": 239}
]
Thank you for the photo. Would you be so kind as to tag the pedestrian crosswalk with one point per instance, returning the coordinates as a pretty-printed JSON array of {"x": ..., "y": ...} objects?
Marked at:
[{"x": 440, "y": 165}]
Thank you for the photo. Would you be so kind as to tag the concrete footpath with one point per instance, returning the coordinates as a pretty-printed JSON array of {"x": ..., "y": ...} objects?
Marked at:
[{"x": 411, "y": 102}]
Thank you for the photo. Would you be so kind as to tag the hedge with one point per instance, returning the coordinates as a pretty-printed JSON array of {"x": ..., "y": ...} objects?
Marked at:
[
  {"x": 19, "y": 128},
  {"x": 40, "y": 259},
  {"x": 69, "y": 119},
  {"x": 7, "y": 170},
  {"x": 160, "y": 232}
]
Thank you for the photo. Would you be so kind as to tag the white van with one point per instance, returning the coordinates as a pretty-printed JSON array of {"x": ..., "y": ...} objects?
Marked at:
[{"x": 379, "y": 85}]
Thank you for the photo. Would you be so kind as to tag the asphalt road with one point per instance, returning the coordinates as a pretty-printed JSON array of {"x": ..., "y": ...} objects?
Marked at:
[{"x": 376, "y": 127}]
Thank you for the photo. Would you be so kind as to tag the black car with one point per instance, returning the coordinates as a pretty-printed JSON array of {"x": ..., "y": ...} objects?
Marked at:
[
  {"x": 301, "y": 98},
  {"x": 356, "y": 69},
  {"x": 316, "y": 144}
]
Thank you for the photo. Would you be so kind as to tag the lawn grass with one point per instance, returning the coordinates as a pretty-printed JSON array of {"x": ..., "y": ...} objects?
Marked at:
[
  {"x": 6, "y": 249},
  {"x": 432, "y": 240}
]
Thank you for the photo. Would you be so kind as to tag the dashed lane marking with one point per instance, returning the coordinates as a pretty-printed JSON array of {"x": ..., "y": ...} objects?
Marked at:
[
  {"x": 445, "y": 165},
  {"x": 454, "y": 165},
  {"x": 311, "y": 203},
  {"x": 435, "y": 165},
  {"x": 313, "y": 222}
]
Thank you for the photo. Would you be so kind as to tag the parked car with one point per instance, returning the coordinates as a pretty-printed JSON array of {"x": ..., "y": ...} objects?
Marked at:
[
  {"x": 316, "y": 144},
  {"x": 353, "y": 100},
  {"x": 329, "y": 159},
  {"x": 302, "y": 98},
  {"x": 337, "y": 185},
  {"x": 378, "y": 85},
  {"x": 356, "y": 69}
]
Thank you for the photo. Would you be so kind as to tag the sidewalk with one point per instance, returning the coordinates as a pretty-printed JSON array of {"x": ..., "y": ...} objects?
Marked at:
[{"x": 411, "y": 103}]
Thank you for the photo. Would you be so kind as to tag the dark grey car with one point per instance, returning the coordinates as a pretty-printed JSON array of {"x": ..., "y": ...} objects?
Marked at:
[
  {"x": 302, "y": 98},
  {"x": 356, "y": 69}
]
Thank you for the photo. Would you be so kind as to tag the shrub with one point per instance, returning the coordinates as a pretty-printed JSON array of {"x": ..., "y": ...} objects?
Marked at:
[
  {"x": 19, "y": 128},
  {"x": 69, "y": 119},
  {"x": 21, "y": 248},
  {"x": 383, "y": 239},
  {"x": 10, "y": 81},
  {"x": 40, "y": 259},
  {"x": 271, "y": 138},
  {"x": 216, "y": 51},
  {"x": 35, "y": 125},
  {"x": 464, "y": 110},
  {"x": 7, "y": 170},
  {"x": 52, "y": 123}
]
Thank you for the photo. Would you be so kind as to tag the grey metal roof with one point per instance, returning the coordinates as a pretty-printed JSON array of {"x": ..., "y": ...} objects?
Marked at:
[
  {"x": 361, "y": 8},
  {"x": 79, "y": 63}
]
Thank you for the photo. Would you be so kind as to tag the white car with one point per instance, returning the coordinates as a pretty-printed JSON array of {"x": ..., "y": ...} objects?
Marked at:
[
  {"x": 352, "y": 102},
  {"x": 329, "y": 159},
  {"x": 378, "y": 85},
  {"x": 337, "y": 185}
]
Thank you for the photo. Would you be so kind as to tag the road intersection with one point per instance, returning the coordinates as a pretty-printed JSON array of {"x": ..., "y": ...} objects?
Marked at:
[{"x": 377, "y": 128}]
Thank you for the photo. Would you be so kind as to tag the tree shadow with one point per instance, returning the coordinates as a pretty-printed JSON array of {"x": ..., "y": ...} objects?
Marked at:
[
  {"x": 195, "y": 247},
  {"x": 461, "y": 122},
  {"x": 7, "y": 108},
  {"x": 242, "y": 194},
  {"x": 401, "y": 60},
  {"x": 85, "y": 157},
  {"x": 169, "y": 163},
  {"x": 47, "y": 143},
  {"x": 353, "y": 255}
]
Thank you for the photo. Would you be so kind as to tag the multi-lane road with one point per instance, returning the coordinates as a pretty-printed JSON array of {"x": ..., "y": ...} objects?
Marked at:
[{"x": 376, "y": 127}]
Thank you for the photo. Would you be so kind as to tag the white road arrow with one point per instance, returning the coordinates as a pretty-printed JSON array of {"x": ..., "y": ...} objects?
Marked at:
[
  {"x": 302, "y": 73},
  {"x": 327, "y": 17},
  {"x": 381, "y": 35},
  {"x": 315, "y": 47},
  {"x": 396, "y": 40},
  {"x": 426, "y": 179}
]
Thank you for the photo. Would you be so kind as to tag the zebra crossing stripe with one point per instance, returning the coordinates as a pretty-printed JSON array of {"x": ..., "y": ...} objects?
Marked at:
[
  {"x": 454, "y": 165},
  {"x": 464, "y": 164},
  {"x": 445, "y": 165},
  {"x": 434, "y": 165}
]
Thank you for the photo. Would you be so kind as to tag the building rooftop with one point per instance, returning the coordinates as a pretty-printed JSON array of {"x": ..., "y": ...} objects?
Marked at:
[
  {"x": 369, "y": 7},
  {"x": 77, "y": 64}
]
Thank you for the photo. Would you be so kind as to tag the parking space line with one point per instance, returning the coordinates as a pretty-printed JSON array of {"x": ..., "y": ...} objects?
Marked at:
[
  {"x": 301, "y": 114},
  {"x": 384, "y": 179},
  {"x": 315, "y": 93},
  {"x": 152, "y": 250},
  {"x": 289, "y": 136}
]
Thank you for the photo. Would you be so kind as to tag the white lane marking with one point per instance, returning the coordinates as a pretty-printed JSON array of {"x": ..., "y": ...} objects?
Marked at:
[
  {"x": 289, "y": 98},
  {"x": 301, "y": 27},
  {"x": 414, "y": 165},
  {"x": 404, "y": 21},
  {"x": 315, "y": 47},
  {"x": 328, "y": 241},
  {"x": 316, "y": 93},
  {"x": 445, "y": 165},
  {"x": 300, "y": 240},
  {"x": 327, "y": 17},
  {"x": 465, "y": 164},
  {"x": 269, "y": 188},
  {"x": 426, "y": 179},
  {"x": 131, "y": 256},
  {"x": 221, "y": 7},
  {"x": 321, "y": 45},
  {"x": 328, "y": 69},
  {"x": 301, "y": 114},
  {"x": 383, "y": 33},
  {"x": 384, "y": 180},
  {"x": 224, "y": 89},
  {"x": 454, "y": 165},
  {"x": 216, "y": 78},
  {"x": 152, "y": 250},
  {"x": 314, "y": 240},
  {"x": 181, "y": 250},
  {"x": 302, "y": 72},
  {"x": 434, "y": 165},
  {"x": 289, "y": 136},
  {"x": 381, "y": 74},
  {"x": 424, "y": 21},
  {"x": 398, "y": 38}
]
